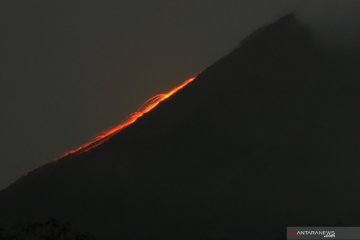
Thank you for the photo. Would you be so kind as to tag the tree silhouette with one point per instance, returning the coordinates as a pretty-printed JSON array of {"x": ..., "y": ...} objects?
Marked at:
[{"x": 51, "y": 229}]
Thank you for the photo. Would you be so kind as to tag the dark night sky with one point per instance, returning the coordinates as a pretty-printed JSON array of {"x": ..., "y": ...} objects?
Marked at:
[{"x": 70, "y": 69}]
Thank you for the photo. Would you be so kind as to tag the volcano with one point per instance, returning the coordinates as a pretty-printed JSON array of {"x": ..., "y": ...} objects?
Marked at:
[{"x": 267, "y": 137}]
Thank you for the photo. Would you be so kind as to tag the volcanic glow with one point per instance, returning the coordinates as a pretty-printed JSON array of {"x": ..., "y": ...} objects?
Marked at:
[{"x": 146, "y": 107}]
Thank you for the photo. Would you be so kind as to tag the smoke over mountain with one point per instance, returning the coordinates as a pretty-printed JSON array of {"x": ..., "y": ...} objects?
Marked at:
[{"x": 335, "y": 24}]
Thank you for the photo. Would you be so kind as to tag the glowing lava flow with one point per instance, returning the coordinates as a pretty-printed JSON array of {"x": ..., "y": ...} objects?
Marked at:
[{"x": 146, "y": 107}]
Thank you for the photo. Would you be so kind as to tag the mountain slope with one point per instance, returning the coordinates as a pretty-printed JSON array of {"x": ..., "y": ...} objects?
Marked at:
[{"x": 266, "y": 137}]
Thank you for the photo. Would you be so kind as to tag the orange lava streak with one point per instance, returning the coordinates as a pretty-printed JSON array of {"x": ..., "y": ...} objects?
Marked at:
[{"x": 145, "y": 108}]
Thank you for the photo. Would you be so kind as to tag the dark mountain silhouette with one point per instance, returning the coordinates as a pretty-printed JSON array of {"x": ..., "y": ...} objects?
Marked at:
[{"x": 267, "y": 137}]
